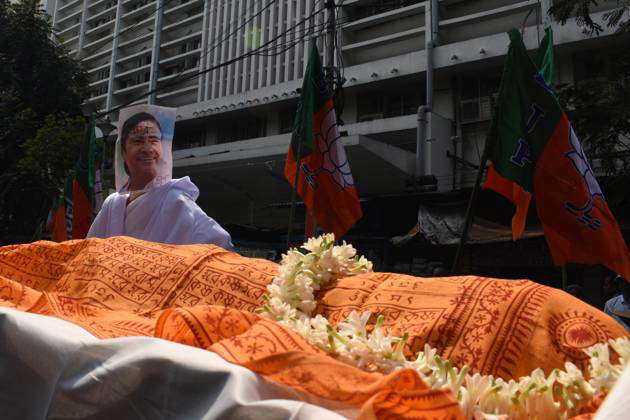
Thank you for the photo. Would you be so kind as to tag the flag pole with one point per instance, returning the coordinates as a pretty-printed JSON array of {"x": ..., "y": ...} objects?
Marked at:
[
  {"x": 473, "y": 196},
  {"x": 294, "y": 194},
  {"x": 471, "y": 206}
]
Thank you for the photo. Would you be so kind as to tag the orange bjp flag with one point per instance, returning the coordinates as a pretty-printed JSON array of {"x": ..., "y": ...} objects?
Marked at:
[
  {"x": 578, "y": 225},
  {"x": 511, "y": 190},
  {"x": 324, "y": 181},
  {"x": 534, "y": 148},
  {"x": 58, "y": 223}
]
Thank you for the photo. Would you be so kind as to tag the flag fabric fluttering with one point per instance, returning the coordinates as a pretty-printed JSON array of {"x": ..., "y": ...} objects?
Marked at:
[
  {"x": 535, "y": 152},
  {"x": 74, "y": 211},
  {"x": 324, "y": 181},
  {"x": 511, "y": 190},
  {"x": 58, "y": 220}
]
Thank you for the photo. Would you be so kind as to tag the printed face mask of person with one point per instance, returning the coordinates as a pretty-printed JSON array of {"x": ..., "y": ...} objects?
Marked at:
[{"x": 142, "y": 153}]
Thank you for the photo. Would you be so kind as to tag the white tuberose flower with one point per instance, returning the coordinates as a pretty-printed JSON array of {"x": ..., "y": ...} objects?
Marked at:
[
  {"x": 291, "y": 300},
  {"x": 355, "y": 324}
]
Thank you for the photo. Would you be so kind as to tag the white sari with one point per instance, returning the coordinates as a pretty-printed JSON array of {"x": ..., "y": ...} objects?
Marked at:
[
  {"x": 166, "y": 214},
  {"x": 165, "y": 211}
]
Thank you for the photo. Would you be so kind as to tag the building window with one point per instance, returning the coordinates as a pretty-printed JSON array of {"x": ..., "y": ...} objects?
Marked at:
[
  {"x": 376, "y": 7},
  {"x": 101, "y": 90},
  {"x": 187, "y": 139},
  {"x": 139, "y": 5},
  {"x": 478, "y": 95},
  {"x": 380, "y": 104},
  {"x": 102, "y": 74},
  {"x": 190, "y": 46},
  {"x": 370, "y": 106},
  {"x": 240, "y": 128},
  {"x": 171, "y": 70},
  {"x": 473, "y": 142},
  {"x": 191, "y": 62},
  {"x": 194, "y": 11}
]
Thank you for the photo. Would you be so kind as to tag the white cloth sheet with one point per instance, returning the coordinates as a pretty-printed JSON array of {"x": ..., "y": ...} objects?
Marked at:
[
  {"x": 166, "y": 214},
  {"x": 50, "y": 368}
]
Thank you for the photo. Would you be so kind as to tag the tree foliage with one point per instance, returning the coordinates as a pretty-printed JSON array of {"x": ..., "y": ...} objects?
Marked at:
[
  {"x": 618, "y": 17},
  {"x": 41, "y": 92},
  {"x": 600, "y": 105},
  {"x": 52, "y": 153}
]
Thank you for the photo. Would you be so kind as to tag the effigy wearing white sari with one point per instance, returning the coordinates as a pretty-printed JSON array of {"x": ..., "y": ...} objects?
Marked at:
[
  {"x": 166, "y": 214},
  {"x": 165, "y": 210}
]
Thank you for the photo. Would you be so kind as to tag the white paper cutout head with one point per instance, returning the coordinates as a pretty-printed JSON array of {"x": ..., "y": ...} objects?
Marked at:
[{"x": 143, "y": 157}]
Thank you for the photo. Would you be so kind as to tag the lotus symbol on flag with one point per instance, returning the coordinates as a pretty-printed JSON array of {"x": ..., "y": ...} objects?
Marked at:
[
  {"x": 579, "y": 160},
  {"x": 333, "y": 156}
]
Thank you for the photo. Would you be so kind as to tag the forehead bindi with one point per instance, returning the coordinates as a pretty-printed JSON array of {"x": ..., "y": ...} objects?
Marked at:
[{"x": 146, "y": 128}]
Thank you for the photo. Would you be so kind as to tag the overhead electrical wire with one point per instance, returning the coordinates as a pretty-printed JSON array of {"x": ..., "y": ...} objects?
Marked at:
[
  {"x": 128, "y": 28},
  {"x": 205, "y": 54},
  {"x": 212, "y": 68},
  {"x": 166, "y": 2},
  {"x": 258, "y": 51}
]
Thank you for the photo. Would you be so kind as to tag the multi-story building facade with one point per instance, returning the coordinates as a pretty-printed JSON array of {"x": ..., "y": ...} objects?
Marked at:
[{"x": 234, "y": 121}]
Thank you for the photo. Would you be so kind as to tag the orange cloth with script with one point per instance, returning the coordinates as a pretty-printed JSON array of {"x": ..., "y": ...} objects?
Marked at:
[{"x": 204, "y": 296}]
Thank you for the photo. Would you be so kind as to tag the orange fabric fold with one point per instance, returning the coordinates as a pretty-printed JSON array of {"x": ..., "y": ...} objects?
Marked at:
[
  {"x": 204, "y": 296},
  {"x": 513, "y": 192},
  {"x": 578, "y": 224}
]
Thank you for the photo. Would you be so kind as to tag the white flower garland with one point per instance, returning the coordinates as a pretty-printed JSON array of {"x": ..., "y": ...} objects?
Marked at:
[{"x": 291, "y": 301}]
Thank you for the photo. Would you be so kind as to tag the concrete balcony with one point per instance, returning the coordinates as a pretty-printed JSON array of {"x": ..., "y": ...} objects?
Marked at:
[
  {"x": 64, "y": 20},
  {"x": 180, "y": 57},
  {"x": 182, "y": 8},
  {"x": 69, "y": 29},
  {"x": 178, "y": 74},
  {"x": 96, "y": 4},
  {"x": 183, "y": 23},
  {"x": 99, "y": 82},
  {"x": 131, "y": 89},
  {"x": 384, "y": 40},
  {"x": 102, "y": 14},
  {"x": 183, "y": 91},
  {"x": 180, "y": 40},
  {"x": 147, "y": 8},
  {"x": 133, "y": 71},
  {"x": 69, "y": 5},
  {"x": 136, "y": 40},
  {"x": 97, "y": 55},
  {"x": 97, "y": 98},
  {"x": 97, "y": 69},
  {"x": 99, "y": 42},
  {"x": 69, "y": 41},
  {"x": 131, "y": 57},
  {"x": 392, "y": 15},
  {"x": 107, "y": 26}
]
